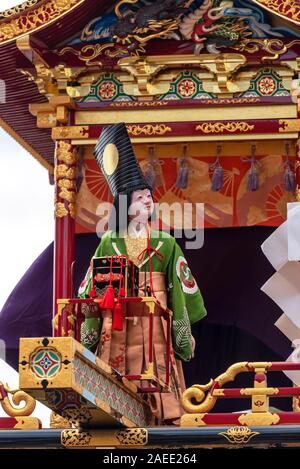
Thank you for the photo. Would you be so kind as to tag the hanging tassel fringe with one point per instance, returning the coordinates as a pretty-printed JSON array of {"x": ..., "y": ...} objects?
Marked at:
[
  {"x": 289, "y": 180},
  {"x": 253, "y": 179},
  {"x": 108, "y": 301},
  {"x": 117, "y": 322},
  {"x": 183, "y": 171},
  {"x": 150, "y": 176},
  {"x": 289, "y": 172},
  {"x": 182, "y": 177},
  {"x": 217, "y": 180}
]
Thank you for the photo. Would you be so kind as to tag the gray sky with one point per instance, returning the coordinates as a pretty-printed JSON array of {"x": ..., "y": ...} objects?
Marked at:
[
  {"x": 26, "y": 204},
  {"x": 26, "y": 212}
]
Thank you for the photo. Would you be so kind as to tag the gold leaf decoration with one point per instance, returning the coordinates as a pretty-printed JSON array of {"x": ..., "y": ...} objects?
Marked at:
[
  {"x": 238, "y": 435},
  {"x": 220, "y": 127},
  {"x": 148, "y": 129}
]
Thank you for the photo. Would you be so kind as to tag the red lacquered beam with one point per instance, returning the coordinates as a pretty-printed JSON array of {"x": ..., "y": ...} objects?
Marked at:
[
  {"x": 232, "y": 392},
  {"x": 150, "y": 338},
  {"x": 8, "y": 422},
  {"x": 215, "y": 385},
  {"x": 192, "y": 103},
  {"x": 134, "y": 299},
  {"x": 280, "y": 366},
  {"x": 289, "y": 417},
  {"x": 215, "y": 127},
  {"x": 149, "y": 389},
  {"x": 3, "y": 393},
  {"x": 168, "y": 351},
  {"x": 64, "y": 234},
  {"x": 132, "y": 377},
  {"x": 221, "y": 419},
  {"x": 229, "y": 392},
  {"x": 233, "y": 418}
]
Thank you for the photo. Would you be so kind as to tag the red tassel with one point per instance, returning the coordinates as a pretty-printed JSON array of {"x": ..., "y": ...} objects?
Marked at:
[
  {"x": 117, "y": 323},
  {"x": 122, "y": 292},
  {"x": 108, "y": 301}
]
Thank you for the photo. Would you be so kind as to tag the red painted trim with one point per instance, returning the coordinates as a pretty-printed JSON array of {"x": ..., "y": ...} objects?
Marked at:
[
  {"x": 221, "y": 419},
  {"x": 8, "y": 422},
  {"x": 163, "y": 47},
  {"x": 132, "y": 377},
  {"x": 151, "y": 338},
  {"x": 3, "y": 393},
  {"x": 283, "y": 391},
  {"x": 215, "y": 385},
  {"x": 63, "y": 257},
  {"x": 168, "y": 351},
  {"x": 178, "y": 103},
  {"x": 209, "y": 128},
  {"x": 280, "y": 366},
  {"x": 232, "y": 419}
]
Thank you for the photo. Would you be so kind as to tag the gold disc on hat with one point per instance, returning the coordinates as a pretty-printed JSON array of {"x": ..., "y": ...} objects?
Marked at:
[{"x": 110, "y": 158}]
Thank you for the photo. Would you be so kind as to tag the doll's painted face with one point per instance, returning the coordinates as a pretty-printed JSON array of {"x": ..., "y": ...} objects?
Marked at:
[{"x": 141, "y": 206}]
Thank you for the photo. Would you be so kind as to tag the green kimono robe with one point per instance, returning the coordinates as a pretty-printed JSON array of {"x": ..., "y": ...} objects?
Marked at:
[{"x": 184, "y": 297}]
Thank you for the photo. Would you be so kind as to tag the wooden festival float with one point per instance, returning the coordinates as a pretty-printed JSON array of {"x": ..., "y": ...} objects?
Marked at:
[{"x": 204, "y": 87}]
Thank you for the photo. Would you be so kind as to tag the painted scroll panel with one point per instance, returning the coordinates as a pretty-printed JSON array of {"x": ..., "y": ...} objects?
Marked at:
[{"x": 232, "y": 206}]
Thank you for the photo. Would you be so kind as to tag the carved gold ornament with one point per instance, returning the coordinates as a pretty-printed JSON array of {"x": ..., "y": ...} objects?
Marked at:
[
  {"x": 206, "y": 403},
  {"x": 148, "y": 129},
  {"x": 219, "y": 127},
  {"x": 65, "y": 194},
  {"x": 57, "y": 421},
  {"x": 65, "y": 175},
  {"x": 89, "y": 54},
  {"x": 274, "y": 47},
  {"x": 60, "y": 210},
  {"x": 70, "y": 132},
  {"x": 67, "y": 183},
  {"x": 17, "y": 397},
  {"x": 260, "y": 391},
  {"x": 72, "y": 210},
  {"x": 289, "y": 9},
  {"x": 259, "y": 418},
  {"x": 134, "y": 436},
  {"x": 66, "y": 153},
  {"x": 18, "y": 9},
  {"x": 238, "y": 435},
  {"x": 77, "y": 416},
  {"x": 231, "y": 100},
  {"x": 36, "y": 18},
  {"x": 110, "y": 159},
  {"x": 289, "y": 125},
  {"x": 140, "y": 104},
  {"x": 62, "y": 171},
  {"x": 75, "y": 438},
  {"x": 197, "y": 392}
]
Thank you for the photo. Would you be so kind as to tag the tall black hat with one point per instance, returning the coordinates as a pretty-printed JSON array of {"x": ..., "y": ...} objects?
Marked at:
[{"x": 117, "y": 161}]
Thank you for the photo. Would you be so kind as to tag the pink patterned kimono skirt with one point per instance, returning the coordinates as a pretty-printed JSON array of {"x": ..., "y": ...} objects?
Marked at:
[{"x": 127, "y": 352}]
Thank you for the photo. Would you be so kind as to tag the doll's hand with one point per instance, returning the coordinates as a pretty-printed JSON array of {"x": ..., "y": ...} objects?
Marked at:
[{"x": 193, "y": 347}]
